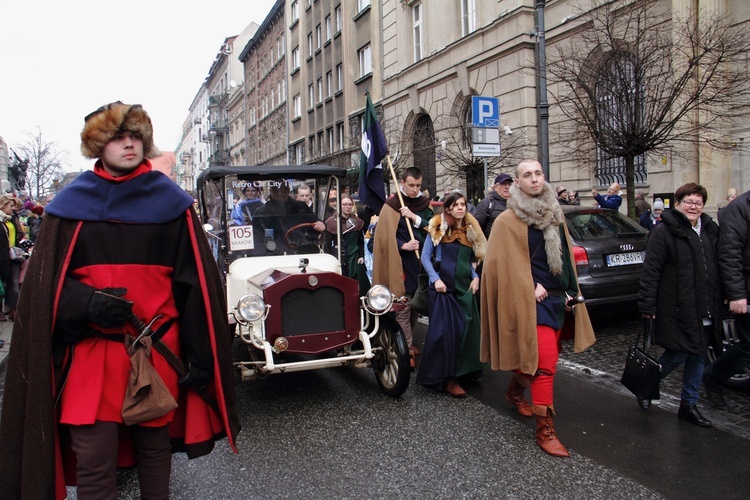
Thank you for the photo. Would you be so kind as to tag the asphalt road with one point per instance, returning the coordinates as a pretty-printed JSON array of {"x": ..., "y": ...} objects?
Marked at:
[{"x": 331, "y": 434}]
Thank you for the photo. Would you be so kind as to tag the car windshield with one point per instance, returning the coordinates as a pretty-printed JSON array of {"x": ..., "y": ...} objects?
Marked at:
[
  {"x": 600, "y": 224},
  {"x": 258, "y": 217}
]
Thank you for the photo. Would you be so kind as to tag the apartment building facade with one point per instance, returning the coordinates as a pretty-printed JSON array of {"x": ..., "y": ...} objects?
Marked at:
[
  {"x": 265, "y": 92},
  {"x": 334, "y": 49},
  {"x": 437, "y": 55}
]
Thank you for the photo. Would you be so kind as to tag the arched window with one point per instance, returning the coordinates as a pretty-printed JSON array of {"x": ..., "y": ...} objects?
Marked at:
[
  {"x": 424, "y": 151},
  {"x": 620, "y": 110}
]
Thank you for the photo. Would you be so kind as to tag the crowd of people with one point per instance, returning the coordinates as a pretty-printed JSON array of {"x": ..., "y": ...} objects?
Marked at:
[
  {"x": 105, "y": 268},
  {"x": 21, "y": 219}
]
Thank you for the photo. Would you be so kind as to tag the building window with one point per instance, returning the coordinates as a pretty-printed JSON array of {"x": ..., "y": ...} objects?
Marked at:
[
  {"x": 295, "y": 11},
  {"x": 329, "y": 139},
  {"x": 312, "y": 146},
  {"x": 338, "y": 18},
  {"x": 339, "y": 77},
  {"x": 468, "y": 16},
  {"x": 361, "y": 4},
  {"x": 322, "y": 144},
  {"x": 297, "y": 106},
  {"x": 311, "y": 93},
  {"x": 365, "y": 60},
  {"x": 617, "y": 106},
  {"x": 295, "y": 58},
  {"x": 309, "y": 44},
  {"x": 320, "y": 90},
  {"x": 340, "y": 136},
  {"x": 416, "y": 15},
  {"x": 329, "y": 84},
  {"x": 328, "y": 28},
  {"x": 319, "y": 36}
]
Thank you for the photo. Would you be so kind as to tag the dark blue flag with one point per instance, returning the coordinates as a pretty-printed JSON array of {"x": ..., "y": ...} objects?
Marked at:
[{"x": 374, "y": 149}]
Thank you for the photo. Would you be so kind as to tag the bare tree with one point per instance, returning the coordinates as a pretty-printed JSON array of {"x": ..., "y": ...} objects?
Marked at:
[
  {"x": 45, "y": 164},
  {"x": 446, "y": 140},
  {"x": 637, "y": 82}
]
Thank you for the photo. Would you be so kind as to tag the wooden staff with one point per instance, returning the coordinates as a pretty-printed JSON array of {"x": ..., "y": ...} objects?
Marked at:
[{"x": 401, "y": 201}]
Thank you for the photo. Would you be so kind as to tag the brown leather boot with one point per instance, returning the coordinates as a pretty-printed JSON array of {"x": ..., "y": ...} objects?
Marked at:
[
  {"x": 514, "y": 395},
  {"x": 546, "y": 437}
]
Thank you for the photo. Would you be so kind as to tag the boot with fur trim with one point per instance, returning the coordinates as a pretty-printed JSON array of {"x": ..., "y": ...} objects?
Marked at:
[
  {"x": 514, "y": 395},
  {"x": 546, "y": 437}
]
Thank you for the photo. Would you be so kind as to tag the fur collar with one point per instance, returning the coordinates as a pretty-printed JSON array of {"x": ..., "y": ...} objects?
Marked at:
[
  {"x": 541, "y": 212},
  {"x": 439, "y": 228}
]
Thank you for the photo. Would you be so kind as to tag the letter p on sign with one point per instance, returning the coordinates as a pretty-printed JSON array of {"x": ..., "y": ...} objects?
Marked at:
[{"x": 485, "y": 112}]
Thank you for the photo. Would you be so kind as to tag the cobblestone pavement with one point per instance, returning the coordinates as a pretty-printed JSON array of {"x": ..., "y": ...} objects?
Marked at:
[{"x": 615, "y": 332}]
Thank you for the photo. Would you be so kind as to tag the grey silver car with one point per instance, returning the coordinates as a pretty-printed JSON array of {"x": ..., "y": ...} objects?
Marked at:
[{"x": 609, "y": 249}]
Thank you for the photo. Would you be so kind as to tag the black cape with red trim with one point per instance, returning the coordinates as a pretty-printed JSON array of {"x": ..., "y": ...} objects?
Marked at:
[{"x": 30, "y": 461}]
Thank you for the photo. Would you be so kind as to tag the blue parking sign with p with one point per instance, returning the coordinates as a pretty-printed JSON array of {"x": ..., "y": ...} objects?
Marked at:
[{"x": 485, "y": 111}]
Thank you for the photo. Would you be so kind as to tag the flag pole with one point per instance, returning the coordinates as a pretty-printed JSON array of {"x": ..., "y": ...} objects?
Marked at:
[{"x": 400, "y": 198}]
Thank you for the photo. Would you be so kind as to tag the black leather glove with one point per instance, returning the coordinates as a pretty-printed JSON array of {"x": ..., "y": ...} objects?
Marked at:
[
  {"x": 196, "y": 377},
  {"x": 107, "y": 309}
]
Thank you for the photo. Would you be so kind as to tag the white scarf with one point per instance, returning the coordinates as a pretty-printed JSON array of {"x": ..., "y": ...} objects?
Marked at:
[{"x": 541, "y": 212}]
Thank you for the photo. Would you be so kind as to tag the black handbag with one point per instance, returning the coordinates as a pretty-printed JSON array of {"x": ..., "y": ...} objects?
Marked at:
[
  {"x": 420, "y": 300},
  {"x": 642, "y": 372}
]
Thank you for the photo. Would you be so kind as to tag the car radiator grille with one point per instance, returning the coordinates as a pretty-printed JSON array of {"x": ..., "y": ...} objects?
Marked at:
[{"x": 312, "y": 311}]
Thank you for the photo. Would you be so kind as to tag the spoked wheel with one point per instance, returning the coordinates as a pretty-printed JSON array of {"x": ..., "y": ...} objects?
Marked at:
[
  {"x": 391, "y": 363},
  {"x": 739, "y": 381}
]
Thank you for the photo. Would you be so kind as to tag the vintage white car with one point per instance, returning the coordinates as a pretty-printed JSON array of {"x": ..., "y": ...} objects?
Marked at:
[{"x": 290, "y": 307}]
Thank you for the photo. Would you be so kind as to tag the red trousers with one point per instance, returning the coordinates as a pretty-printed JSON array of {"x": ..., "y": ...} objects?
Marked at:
[{"x": 542, "y": 381}]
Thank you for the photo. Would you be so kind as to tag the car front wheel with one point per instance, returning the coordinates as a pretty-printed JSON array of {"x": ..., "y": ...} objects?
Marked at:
[{"x": 391, "y": 361}]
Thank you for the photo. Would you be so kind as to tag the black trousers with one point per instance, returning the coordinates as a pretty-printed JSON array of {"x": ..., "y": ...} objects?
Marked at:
[{"x": 95, "y": 447}]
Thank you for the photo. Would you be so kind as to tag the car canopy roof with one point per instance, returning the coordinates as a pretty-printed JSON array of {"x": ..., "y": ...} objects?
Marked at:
[{"x": 264, "y": 171}]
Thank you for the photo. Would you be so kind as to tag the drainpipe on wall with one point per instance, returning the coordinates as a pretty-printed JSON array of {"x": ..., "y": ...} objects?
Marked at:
[{"x": 542, "y": 104}]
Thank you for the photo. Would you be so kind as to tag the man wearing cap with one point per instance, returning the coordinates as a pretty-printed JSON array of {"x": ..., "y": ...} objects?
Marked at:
[
  {"x": 120, "y": 242},
  {"x": 562, "y": 195},
  {"x": 494, "y": 204}
]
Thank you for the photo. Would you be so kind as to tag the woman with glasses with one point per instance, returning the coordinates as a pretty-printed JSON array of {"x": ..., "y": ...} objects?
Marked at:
[
  {"x": 352, "y": 242},
  {"x": 680, "y": 291}
]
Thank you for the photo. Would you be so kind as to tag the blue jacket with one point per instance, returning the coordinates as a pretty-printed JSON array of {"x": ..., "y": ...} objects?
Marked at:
[{"x": 609, "y": 201}]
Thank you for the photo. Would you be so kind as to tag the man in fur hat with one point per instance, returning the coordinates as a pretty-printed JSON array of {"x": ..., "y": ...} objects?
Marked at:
[
  {"x": 395, "y": 262},
  {"x": 529, "y": 276},
  {"x": 121, "y": 241}
]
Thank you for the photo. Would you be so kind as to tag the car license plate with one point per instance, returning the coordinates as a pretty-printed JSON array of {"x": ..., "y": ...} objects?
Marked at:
[{"x": 624, "y": 259}]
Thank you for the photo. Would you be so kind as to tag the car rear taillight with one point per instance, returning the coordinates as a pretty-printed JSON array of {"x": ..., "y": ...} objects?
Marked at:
[{"x": 580, "y": 256}]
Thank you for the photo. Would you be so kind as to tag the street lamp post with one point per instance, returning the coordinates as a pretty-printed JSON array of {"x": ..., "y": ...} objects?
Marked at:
[{"x": 542, "y": 103}]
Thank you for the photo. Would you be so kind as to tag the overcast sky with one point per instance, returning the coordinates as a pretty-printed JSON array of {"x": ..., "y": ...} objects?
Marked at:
[{"x": 63, "y": 59}]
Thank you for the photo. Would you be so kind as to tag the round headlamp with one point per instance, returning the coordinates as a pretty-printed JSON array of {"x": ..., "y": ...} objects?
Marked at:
[
  {"x": 379, "y": 299},
  {"x": 251, "y": 307}
]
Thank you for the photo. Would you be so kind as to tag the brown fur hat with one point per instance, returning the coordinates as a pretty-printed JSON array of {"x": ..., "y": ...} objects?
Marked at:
[{"x": 105, "y": 123}]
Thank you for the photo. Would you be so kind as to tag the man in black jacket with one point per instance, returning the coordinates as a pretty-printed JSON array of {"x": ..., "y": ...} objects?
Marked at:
[
  {"x": 734, "y": 263},
  {"x": 494, "y": 204}
]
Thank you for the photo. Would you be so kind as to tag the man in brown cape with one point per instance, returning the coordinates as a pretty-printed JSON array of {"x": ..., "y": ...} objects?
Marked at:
[
  {"x": 395, "y": 262},
  {"x": 528, "y": 279}
]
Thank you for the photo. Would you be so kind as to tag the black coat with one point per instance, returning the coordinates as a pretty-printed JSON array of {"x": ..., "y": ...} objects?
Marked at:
[
  {"x": 488, "y": 210},
  {"x": 680, "y": 282},
  {"x": 734, "y": 245}
]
